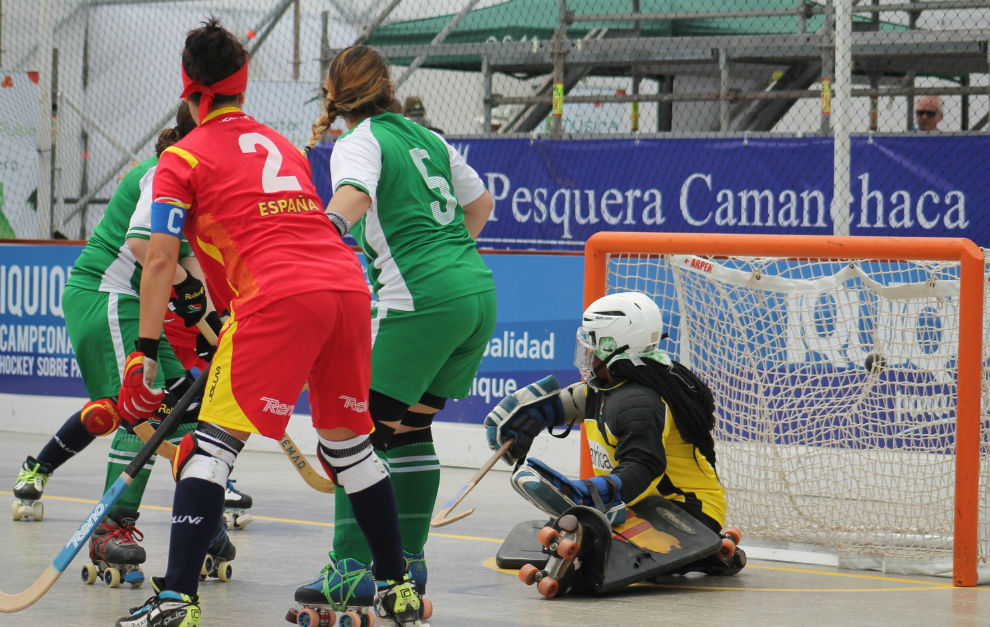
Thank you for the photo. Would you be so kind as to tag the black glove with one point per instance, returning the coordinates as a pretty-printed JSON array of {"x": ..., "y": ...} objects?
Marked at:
[{"x": 190, "y": 300}]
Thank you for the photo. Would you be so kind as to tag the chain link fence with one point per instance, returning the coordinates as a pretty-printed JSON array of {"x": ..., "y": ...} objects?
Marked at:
[{"x": 731, "y": 106}]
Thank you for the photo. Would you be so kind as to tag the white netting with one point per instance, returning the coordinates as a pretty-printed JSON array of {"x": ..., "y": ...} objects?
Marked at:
[{"x": 814, "y": 447}]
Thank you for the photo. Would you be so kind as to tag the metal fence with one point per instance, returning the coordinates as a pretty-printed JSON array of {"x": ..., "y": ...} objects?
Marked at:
[{"x": 87, "y": 84}]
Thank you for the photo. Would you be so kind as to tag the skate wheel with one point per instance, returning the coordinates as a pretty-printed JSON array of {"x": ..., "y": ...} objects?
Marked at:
[
  {"x": 567, "y": 549},
  {"x": 16, "y": 510},
  {"x": 307, "y": 618},
  {"x": 111, "y": 577},
  {"x": 241, "y": 522},
  {"x": 207, "y": 568},
  {"x": 349, "y": 619},
  {"x": 529, "y": 574},
  {"x": 568, "y": 523},
  {"x": 290, "y": 616},
  {"x": 89, "y": 574},
  {"x": 547, "y": 536},
  {"x": 38, "y": 510},
  {"x": 548, "y": 587},
  {"x": 426, "y": 609},
  {"x": 727, "y": 549},
  {"x": 225, "y": 570},
  {"x": 368, "y": 619},
  {"x": 733, "y": 533}
]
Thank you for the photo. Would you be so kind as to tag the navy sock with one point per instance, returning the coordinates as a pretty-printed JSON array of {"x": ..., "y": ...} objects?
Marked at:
[
  {"x": 377, "y": 515},
  {"x": 196, "y": 510},
  {"x": 70, "y": 438}
]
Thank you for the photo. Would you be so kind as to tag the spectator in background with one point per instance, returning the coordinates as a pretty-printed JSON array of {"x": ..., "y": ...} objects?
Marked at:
[
  {"x": 415, "y": 111},
  {"x": 927, "y": 113}
]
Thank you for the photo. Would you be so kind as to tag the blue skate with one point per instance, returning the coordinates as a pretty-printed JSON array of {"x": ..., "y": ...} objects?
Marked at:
[{"x": 341, "y": 596}]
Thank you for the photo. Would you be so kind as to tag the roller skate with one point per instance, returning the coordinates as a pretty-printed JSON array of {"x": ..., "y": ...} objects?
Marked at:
[
  {"x": 400, "y": 603},
  {"x": 115, "y": 552},
  {"x": 30, "y": 485},
  {"x": 341, "y": 596},
  {"x": 562, "y": 541},
  {"x": 236, "y": 504},
  {"x": 219, "y": 556},
  {"x": 165, "y": 609},
  {"x": 729, "y": 559}
]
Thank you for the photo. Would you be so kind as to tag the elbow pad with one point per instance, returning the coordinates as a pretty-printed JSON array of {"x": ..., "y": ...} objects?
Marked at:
[{"x": 572, "y": 399}]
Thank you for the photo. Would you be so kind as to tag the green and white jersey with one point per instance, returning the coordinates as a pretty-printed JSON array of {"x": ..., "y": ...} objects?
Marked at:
[
  {"x": 106, "y": 263},
  {"x": 419, "y": 251}
]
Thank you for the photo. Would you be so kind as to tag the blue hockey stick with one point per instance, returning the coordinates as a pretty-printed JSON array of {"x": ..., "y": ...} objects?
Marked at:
[{"x": 41, "y": 585}]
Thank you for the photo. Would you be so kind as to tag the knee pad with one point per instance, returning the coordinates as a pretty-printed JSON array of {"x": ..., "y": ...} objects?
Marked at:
[
  {"x": 207, "y": 453},
  {"x": 417, "y": 420},
  {"x": 352, "y": 464},
  {"x": 100, "y": 417},
  {"x": 418, "y": 436}
]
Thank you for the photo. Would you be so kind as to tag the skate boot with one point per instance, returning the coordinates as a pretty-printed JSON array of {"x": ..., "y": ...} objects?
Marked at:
[
  {"x": 399, "y": 602},
  {"x": 342, "y": 595},
  {"x": 166, "y": 609},
  {"x": 236, "y": 504},
  {"x": 115, "y": 552},
  {"x": 416, "y": 565},
  {"x": 219, "y": 556},
  {"x": 30, "y": 484}
]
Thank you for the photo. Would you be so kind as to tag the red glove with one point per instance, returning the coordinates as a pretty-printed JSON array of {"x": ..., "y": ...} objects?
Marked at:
[{"x": 138, "y": 400}]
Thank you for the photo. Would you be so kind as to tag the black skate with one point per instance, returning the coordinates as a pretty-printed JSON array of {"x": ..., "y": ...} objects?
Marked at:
[
  {"x": 341, "y": 596},
  {"x": 219, "y": 556},
  {"x": 30, "y": 485},
  {"x": 115, "y": 552},
  {"x": 236, "y": 504},
  {"x": 729, "y": 559},
  {"x": 562, "y": 541}
]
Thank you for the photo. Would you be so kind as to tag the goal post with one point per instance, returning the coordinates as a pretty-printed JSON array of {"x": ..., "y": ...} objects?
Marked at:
[{"x": 847, "y": 373}]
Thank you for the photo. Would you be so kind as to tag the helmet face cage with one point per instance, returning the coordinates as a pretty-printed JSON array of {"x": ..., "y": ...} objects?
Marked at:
[{"x": 628, "y": 321}]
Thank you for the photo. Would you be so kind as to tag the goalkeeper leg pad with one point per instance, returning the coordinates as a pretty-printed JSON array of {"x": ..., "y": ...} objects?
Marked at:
[{"x": 554, "y": 493}]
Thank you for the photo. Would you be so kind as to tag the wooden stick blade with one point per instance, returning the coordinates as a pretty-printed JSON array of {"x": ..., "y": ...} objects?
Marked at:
[
  {"x": 441, "y": 519},
  {"x": 28, "y": 596}
]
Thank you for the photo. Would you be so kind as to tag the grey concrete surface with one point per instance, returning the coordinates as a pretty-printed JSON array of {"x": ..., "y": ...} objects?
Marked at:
[{"x": 287, "y": 544}]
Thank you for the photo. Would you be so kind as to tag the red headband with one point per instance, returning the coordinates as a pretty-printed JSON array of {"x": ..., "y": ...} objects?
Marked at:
[{"x": 233, "y": 84}]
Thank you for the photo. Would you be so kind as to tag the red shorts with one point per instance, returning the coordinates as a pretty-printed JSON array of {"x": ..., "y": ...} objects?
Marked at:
[{"x": 263, "y": 361}]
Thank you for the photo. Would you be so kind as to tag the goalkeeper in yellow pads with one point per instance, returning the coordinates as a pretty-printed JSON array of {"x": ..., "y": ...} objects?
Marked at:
[{"x": 655, "y": 505}]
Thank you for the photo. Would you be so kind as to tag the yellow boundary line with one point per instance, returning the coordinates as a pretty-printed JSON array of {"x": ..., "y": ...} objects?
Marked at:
[{"x": 915, "y": 584}]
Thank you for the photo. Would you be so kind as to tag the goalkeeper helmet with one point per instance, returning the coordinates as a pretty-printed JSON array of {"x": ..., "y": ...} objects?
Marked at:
[{"x": 626, "y": 325}]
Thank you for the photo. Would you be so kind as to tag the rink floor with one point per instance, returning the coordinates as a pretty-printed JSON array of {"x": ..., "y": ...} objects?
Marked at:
[{"x": 287, "y": 543}]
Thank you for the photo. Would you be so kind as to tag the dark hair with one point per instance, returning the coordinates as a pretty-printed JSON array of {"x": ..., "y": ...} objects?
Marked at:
[
  {"x": 212, "y": 53},
  {"x": 689, "y": 398},
  {"x": 357, "y": 86},
  {"x": 183, "y": 124}
]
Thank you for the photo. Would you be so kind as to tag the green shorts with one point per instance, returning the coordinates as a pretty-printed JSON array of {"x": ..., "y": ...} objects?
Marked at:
[
  {"x": 102, "y": 328},
  {"x": 436, "y": 351}
]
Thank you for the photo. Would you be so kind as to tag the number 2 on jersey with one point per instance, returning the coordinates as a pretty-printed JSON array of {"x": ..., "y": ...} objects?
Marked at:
[
  {"x": 271, "y": 182},
  {"x": 419, "y": 156}
]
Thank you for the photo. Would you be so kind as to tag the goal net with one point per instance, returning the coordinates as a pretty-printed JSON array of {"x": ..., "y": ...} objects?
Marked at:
[{"x": 847, "y": 375}]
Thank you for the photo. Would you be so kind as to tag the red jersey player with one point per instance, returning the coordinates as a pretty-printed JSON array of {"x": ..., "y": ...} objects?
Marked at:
[{"x": 243, "y": 196}]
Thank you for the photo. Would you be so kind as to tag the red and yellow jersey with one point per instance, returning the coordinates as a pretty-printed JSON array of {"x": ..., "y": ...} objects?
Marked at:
[{"x": 244, "y": 197}]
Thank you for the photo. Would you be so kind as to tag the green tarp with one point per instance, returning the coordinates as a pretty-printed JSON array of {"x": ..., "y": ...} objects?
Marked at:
[{"x": 526, "y": 20}]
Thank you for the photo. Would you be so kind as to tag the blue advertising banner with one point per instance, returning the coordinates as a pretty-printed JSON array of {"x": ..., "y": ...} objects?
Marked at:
[
  {"x": 36, "y": 356},
  {"x": 553, "y": 195},
  {"x": 539, "y": 308}
]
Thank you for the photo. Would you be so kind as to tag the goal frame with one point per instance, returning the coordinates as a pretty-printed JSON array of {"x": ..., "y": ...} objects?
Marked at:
[{"x": 601, "y": 245}]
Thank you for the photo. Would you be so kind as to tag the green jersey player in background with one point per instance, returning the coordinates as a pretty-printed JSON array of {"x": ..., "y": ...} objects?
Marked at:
[{"x": 415, "y": 208}]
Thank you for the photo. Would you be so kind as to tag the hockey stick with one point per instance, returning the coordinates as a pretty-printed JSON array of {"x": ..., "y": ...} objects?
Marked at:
[
  {"x": 314, "y": 479},
  {"x": 443, "y": 517},
  {"x": 41, "y": 585}
]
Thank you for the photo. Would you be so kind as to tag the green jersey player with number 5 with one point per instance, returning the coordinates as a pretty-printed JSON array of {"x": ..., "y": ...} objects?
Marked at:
[{"x": 415, "y": 207}]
